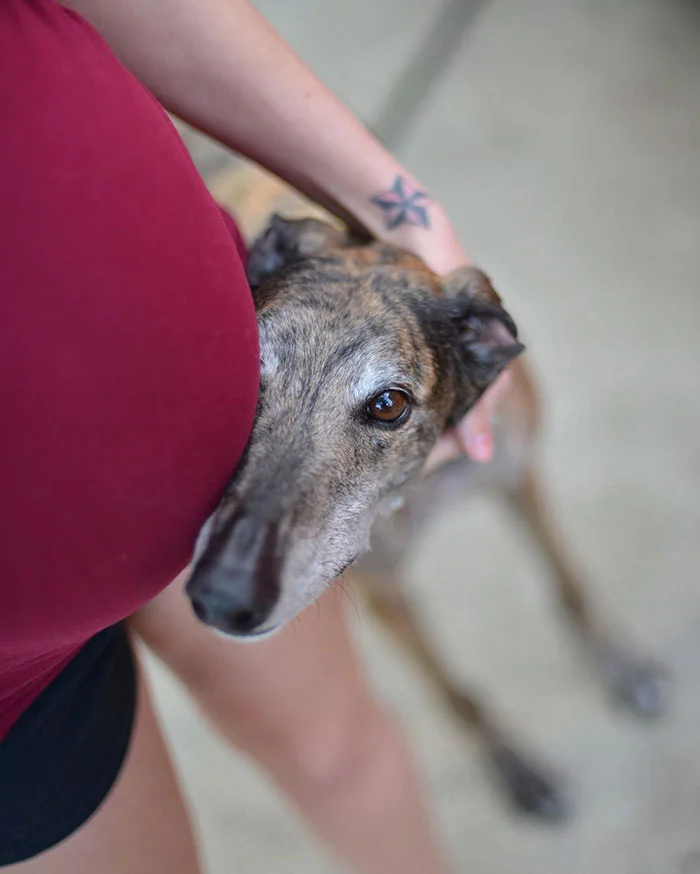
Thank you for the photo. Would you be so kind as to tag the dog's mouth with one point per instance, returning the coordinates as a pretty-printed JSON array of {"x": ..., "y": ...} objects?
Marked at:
[{"x": 251, "y": 636}]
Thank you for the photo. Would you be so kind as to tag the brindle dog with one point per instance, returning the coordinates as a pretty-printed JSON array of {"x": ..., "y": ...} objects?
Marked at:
[{"x": 366, "y": 358}]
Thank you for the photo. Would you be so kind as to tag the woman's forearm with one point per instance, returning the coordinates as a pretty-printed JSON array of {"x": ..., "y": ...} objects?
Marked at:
[{"x": 220, "y": 65}]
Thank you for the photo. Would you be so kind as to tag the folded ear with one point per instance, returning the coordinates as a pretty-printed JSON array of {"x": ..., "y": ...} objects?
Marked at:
[
  {"x": 487, "y": 335},
  {"x": 286, "y": 240}
]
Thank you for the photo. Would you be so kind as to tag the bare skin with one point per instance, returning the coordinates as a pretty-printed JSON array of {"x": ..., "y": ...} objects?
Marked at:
[
  {"x": 299, "y": 704},
  {"x": 142, "y": 826}
]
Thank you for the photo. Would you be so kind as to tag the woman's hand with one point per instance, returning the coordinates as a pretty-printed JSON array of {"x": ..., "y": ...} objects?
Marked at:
[{"x": 473, "y": 435}]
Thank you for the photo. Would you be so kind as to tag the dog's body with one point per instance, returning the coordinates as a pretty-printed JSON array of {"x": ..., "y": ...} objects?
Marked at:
[
  {"x": 634, "y": 682},
  {"x": 320, "y": 465}
]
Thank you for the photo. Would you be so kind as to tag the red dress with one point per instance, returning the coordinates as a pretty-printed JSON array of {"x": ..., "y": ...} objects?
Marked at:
[{"x": 128, "y": 347}]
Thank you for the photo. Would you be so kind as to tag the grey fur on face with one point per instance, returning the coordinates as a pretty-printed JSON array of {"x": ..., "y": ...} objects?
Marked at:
[{"x": 366, "y": 357}]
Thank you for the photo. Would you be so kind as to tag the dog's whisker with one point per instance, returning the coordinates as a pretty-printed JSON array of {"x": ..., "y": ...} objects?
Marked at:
[
  {"x": 297, "y": 625},
  {"x": 349, "y": 593}
]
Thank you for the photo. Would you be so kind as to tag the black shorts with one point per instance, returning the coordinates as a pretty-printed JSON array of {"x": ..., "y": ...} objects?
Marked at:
[{"x": 63, "y": 755}]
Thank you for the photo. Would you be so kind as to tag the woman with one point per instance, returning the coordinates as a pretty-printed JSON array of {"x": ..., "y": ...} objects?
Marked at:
[{"x": 129, "y": 381}]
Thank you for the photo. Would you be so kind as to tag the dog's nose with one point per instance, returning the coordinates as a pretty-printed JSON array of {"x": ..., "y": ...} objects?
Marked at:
[
  {"x": 235, "y": 585},
  {"x": 227, "y": 613}
]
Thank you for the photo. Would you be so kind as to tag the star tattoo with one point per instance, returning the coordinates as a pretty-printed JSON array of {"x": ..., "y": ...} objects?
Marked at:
[{"x": 403, "y": 204}]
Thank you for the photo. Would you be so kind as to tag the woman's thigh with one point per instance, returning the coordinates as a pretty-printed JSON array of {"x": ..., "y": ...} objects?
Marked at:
[
  {"x": 296, "y": 697},
  {"x": 141, "y": 828}
]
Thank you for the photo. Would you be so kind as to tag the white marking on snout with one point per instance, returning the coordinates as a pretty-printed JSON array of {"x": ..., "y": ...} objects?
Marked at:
[
  {"x": 255, "y": 637},
  {"x": 203, "y": 538}
]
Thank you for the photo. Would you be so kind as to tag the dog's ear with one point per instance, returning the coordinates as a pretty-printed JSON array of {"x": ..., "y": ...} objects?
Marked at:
[
  {"x": 487, "y": 335},
  {"x": 286, "y": 240}
]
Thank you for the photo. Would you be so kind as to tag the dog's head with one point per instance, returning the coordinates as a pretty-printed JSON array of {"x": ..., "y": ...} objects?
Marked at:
[{"x": 366, "y": 357}]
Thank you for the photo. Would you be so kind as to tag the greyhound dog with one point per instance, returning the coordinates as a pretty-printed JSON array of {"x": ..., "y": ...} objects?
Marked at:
[{"x": 366, "y": 358}]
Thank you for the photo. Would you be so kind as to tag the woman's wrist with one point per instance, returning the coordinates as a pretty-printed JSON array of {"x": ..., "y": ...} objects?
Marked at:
[
  {"x": 438, "y": 245},
  {"x": 401, "y": 212}
]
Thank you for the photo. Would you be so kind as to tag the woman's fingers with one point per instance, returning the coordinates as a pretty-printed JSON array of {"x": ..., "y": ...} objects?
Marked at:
[
  {"x": 473, "y": 434},
  {"x": 474, "y": 431},
  {"x": 446, "y": 449}
]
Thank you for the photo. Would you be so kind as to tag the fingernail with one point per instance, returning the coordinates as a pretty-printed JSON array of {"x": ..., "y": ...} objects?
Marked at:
[{"x": 480, "y": 447}]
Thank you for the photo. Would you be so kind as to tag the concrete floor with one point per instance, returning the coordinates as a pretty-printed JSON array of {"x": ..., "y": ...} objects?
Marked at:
[{"x": 565, "y": 141}]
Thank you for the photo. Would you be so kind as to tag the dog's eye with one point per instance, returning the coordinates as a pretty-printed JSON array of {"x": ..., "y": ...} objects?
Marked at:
[{"x": 391, "y": 407}]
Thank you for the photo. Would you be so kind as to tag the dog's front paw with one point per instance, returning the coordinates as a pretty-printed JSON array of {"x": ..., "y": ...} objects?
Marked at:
[
  {"x": 639, "y": 684},
  {"x": 529, "y": 787}
]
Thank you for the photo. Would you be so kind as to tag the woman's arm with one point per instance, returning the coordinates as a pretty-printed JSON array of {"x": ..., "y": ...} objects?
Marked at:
[{"x": 220, "y": 65}]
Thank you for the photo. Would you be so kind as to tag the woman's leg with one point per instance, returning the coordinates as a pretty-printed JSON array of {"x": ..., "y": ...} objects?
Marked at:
[
  {"x": 141, "y": 828},
  {"x": 298, "y": 703}
]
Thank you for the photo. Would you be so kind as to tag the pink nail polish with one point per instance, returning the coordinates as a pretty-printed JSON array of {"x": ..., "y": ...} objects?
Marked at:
[{"x": 480, "y": 447}]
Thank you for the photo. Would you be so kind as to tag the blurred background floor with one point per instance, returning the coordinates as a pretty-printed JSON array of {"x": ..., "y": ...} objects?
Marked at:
[{"x": 564, "y": 138}]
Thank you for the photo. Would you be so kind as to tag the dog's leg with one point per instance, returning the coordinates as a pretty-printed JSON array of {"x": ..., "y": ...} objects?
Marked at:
[
  {"x": 530, "y": 787},
  {"x": 634, "y": 681}
]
